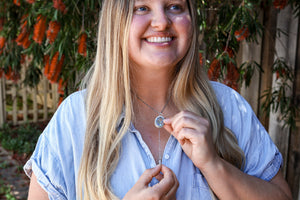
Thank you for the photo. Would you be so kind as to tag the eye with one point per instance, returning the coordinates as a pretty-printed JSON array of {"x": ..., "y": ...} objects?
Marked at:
[
  {"x": 176, "y": 8},
  {"x": 141, "y": 9}
]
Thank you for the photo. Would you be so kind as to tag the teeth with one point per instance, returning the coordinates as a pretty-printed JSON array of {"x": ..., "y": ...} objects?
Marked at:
[{"x": 159, "y": 39}]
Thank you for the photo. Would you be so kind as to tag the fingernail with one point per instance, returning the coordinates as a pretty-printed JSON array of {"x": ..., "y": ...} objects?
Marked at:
[{"x": 167, "y": 121}]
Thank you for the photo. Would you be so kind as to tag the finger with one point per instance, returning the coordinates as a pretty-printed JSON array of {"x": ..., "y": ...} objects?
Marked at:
[
  {"x": 148, "y": 175},
  {"x": 159, "y": 177},
  {"x": 188, "y": 135},
  {"x": 199, "y": 124},
  {"x": 172, "y": 193},
  {"x": 166, "y": 184}
]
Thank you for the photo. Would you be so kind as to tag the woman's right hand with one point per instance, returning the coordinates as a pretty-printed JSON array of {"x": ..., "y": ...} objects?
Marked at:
[{"x": 164, "y": 190}]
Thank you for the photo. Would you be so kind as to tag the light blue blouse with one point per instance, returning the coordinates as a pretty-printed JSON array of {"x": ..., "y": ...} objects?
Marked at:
[{"x": 56, "y": 158}]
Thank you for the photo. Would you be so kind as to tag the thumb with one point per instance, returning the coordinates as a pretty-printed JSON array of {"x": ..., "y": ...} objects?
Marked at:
[
  {"x": 148, "y": 175},
  {"x": 168, "y": 125}
]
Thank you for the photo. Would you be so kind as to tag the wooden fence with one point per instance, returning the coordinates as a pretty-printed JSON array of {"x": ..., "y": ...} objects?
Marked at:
[{"x": 21, "y": 104}]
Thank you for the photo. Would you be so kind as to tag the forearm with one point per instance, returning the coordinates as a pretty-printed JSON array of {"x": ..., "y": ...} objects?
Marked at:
[{"x": 228, "y": 182}]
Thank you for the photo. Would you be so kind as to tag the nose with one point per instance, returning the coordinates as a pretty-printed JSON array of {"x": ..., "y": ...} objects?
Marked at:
[{"x": 160, "y": 20}]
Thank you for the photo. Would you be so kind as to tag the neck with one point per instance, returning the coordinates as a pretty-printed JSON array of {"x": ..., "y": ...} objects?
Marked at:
[{"x": 152, "y": 86}]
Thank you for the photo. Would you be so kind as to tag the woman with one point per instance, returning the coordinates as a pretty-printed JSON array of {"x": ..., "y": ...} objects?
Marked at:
[{"x": 150, "y": 125}]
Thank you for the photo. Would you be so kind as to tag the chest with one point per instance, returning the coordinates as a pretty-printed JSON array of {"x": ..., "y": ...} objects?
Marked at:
[{"x": 136, "y": 158}]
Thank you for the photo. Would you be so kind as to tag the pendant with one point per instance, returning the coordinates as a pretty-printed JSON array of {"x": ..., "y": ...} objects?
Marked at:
[{"x": 159, "y": 121}]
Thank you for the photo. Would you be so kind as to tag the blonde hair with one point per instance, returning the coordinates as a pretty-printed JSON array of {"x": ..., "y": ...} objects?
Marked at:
[{"x": 109, "y": 94}]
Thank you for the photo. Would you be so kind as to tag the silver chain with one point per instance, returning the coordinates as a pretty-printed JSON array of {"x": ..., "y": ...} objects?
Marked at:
[
  {"x": 159, "y": 113},
  {"x": 162, "y": 110}
]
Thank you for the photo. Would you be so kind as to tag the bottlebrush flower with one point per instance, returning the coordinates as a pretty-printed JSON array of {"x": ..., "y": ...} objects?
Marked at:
[
  {"x": 30, "y": 1},
  {"x": 26, "y": 41},
  {"x": 60, "y": 101},
  {"x": 61, "y": 85},
  {"x": 47, "y": 66},
  {"x": 58, "y": 69},
  {"x": 2, "y": 43},
  {"x": 232, "y": 76},
  {"x": 52, "y": 31},
  {"x": 59, "y": 5},
  {"x": 280, "y": 4},
  {"x": 17, "y": 2},
  {"x": 214, "y": 70},
  {"x": 39, "y": 29},
  {"x": 23, "y": 39},
  {"x": 54, "y": 68},
  {"x": 241, "y": 34},
  {"x": 53, "y": 64},
  {"x": 82, "y": 44}
]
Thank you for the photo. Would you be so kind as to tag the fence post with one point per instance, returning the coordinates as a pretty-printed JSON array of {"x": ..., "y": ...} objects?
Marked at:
[{"x": 2, "y": 102}]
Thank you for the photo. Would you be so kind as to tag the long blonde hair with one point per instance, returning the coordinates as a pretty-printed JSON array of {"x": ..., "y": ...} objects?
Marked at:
[{"x": 109, "y": 94}]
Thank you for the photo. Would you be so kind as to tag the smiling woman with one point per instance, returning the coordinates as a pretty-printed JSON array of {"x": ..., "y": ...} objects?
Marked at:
[{"x": 149, "y": 120}]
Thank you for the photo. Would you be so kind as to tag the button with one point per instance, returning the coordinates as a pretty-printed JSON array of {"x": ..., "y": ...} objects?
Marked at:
[{"x": 167, "y": 156}]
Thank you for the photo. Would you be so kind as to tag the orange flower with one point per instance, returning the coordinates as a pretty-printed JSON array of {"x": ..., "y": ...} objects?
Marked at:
[
  {"x": 58, "y": 69},
  {"x": 24, "y": 21},
  {"x": 2, "y": 43},
  {"x": 59, "y": 5},
  {"x": 280, "y": 4},
  {"x": 52, "y": 31},
  {"x": 39, "y": 29},
  {"x": 82, "y": 44},
  {"x": 232, "y": 76},
  {"x": 61, "y": 85},
  {"x": 23, "y": 39},
  {"x": 47, "y": 65},
  {"x": 60, "y": 100},
  {"x": 52, "y": 66},
  {"x": 26, "y": 41},
  {"x": 214, "y": 70},
  {"x": 30, "y": 1},
  {"x": 17, "y": 2},
  {"x": 241, "y": 34}
]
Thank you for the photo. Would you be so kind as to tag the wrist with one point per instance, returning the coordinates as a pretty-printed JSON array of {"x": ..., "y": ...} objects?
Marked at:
[{"x": 213, "y": 166}]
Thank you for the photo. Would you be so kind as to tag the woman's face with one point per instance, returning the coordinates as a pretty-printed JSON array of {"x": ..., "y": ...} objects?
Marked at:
[{"x": 160, "y": 33}]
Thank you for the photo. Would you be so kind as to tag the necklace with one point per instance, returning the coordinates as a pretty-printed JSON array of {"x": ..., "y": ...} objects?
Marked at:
[{"x": 158, "y": 122}]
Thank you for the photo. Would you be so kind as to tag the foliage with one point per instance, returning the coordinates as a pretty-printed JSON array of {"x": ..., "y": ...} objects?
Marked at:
[
  {"x": 5, "y": 191},
  {"x": 56, "y": 38},
  {"x": 20, "y": 139}
]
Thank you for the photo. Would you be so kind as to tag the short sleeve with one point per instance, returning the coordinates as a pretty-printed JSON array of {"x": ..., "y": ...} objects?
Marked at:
[
  {"x": 57, "y": 155},
  {"x": 46, "y": 167},
  {"x": 262, "y": 158}
]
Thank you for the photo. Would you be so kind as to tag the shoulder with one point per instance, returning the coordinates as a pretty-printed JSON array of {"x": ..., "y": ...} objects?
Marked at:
[
  {"x": 229, "y": 98},
  {"x": 67, "y": 126}
]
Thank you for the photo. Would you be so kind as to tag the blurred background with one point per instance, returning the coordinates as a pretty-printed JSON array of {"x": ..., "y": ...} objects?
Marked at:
[{"x": 46, "y": 47}]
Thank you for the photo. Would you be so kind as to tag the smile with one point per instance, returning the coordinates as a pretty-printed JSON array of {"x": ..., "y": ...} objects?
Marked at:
[{"x": 159, "y": 39}]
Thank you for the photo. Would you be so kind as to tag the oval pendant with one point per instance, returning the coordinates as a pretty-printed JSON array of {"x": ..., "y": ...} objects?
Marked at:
[{"x": 159, "y": 121}]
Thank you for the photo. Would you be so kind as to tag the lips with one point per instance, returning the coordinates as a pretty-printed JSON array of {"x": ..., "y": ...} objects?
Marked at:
[{"x": 159, "y": 39}]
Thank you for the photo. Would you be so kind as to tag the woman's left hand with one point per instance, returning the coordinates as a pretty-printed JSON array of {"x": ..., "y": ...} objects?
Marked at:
[{"x": 194, "y": 135}]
